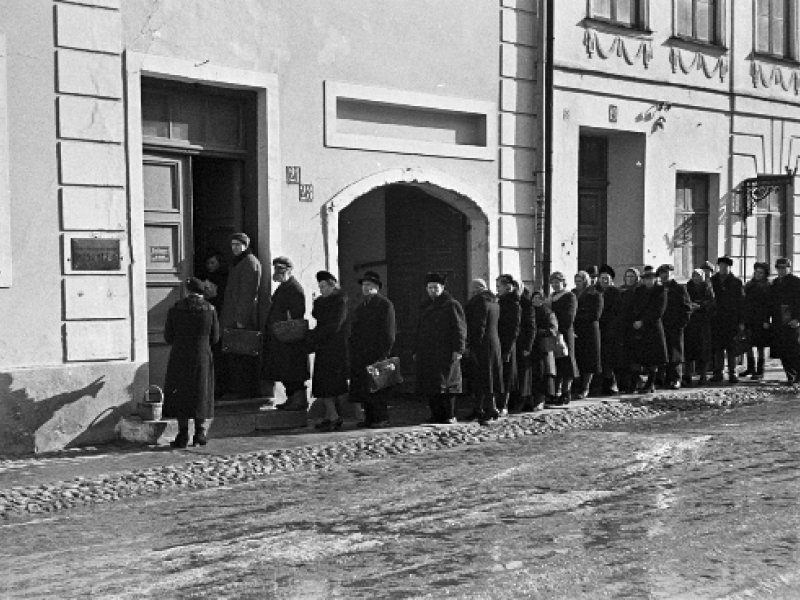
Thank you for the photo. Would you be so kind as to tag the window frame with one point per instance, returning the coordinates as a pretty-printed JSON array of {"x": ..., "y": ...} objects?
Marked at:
[
  {"x": 791, "y": 32},
  {"x": 763, "y": 212},
  {"x": 719, "y": 13},
  {"x": 641, "y": 21},
  {"x": 690, "y": 216}
]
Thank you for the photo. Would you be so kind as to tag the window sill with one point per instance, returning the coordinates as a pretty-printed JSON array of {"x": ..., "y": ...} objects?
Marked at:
[
  {"x": 777, "y": 60},
  {"x": 634, "y": 31},
  {"x": 688, "y": 43}
]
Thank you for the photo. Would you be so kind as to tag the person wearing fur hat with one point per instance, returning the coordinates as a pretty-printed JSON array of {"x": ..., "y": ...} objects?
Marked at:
[
  {"x": 240, "y": 311},
  {"x": 785, "y": 319},
  {"x": 728, "y": 320},
  {"x": 676, "y": 318},
  {"x": 372, "y": 335},
  {"x": 191, "y": 328},
  {"x": 439, "y": 345},
  {"x": 756, "y": 319},
  {"x": 286, "y": 362}
]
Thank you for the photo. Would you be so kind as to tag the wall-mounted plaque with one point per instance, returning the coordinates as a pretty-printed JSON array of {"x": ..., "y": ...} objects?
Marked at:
[
  {"x": 159, "y": 254},
  {"x": 293, "y": 175},
  {"x": 95, "y": 254},
  {"x": 306, "y": 192}
]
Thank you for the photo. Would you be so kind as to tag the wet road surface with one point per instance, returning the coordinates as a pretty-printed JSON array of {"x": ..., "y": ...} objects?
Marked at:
[{"x": 692, "y": 505}]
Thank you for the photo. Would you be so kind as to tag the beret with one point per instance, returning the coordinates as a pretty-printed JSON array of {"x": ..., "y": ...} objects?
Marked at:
[{"x": 282, "y": 261}]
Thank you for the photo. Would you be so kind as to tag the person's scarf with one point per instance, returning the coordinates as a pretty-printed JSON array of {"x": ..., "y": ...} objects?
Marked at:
[{"x": 241, "y": 257}]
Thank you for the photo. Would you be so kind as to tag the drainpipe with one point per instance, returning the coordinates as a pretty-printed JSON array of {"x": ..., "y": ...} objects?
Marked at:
[{"x": 548, "y": 144}]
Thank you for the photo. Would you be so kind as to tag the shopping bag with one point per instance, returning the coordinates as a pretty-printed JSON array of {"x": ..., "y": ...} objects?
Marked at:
[{"x": 384, "y": 374}]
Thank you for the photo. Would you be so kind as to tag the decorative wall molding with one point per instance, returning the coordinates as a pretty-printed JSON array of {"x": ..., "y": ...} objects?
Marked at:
[
  {"x": 768, "y": 75},
  {"x": 640, "y": 49},
  {"x": 710, "y": 66}
]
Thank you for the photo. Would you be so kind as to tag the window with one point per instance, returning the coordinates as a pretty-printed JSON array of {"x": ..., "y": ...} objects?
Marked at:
[
  {"x": 774, "y": 28},
  {"x": 629, "y": 13},
  {"x": 699, "y": 20},
  {"x": 690, "y": 242},
  {"x": 770, "y": 216}
]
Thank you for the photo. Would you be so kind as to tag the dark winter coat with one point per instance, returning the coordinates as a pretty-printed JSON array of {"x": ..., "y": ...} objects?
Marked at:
[
  {"x": 757, "y": 311},
  {"x": 241, "y": 292},
  {"x": 287, "y": 362},
  {"x": 483, "y": 365},
  {"x": 372, "y": 335},
  {"x": 191, "y": 328},
  {"x": 508, "y": 329},
  {"x": 328, "y": 342},
  {"x": 220, "y": 280},
  {"x": 543, "y": 363},
  {"x": 647, "y": 344},
  {"x": 785, "y": 306},
  {"x": 564, "y": 306},
  {"x": 622, "y": 325},
  {"x": 676, "y": 318},
  {"x": 587, "y": 331},
  {"x": 697, "y": 335},
  {"x": 729, "y": 295},
  {"x": 441, "y": 331},
  {"x": 610, "y": 334},
  {"x": 524, "y": 347}
]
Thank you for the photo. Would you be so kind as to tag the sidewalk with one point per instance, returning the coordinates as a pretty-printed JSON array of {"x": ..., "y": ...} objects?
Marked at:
[{"x": 407, "y": 414}]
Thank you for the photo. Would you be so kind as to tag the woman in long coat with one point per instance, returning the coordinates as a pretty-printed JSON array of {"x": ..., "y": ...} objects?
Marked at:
[
  {"x": 625, "y": 376},
  {"x": 756, "y": 316},
  {"x": 697, "y": 336},
  {"x": 328, "y": 342},
  {"x": 191, "y": 327},
  {"x": 483, "y": 362},
  {"x": 508, "y": 329},
  {"x": 609, "y": 334},
  {"x": 543, "y": 363},
  {"x": 646, "y": 335},
  {"x": 440, "y": 343},
  {"x": 587, "y": 331},
  {"x": 564, "y": 305},
  {"x": 522, "y": 398}
]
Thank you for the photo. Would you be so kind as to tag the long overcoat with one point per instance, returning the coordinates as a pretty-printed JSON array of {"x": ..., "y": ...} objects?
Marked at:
[
  {"x": 328, "y": 342},
  {"x": 191, "y": 327},
  {"x": 587, "y": 331},
  {"x": 524, "y": 346},
  {"x": 372, "y": 334},
  {"x": 441, "y": 331},
  {"x": 785, "y": 304},
  {"x": 648, "y": 346},
  {"x": 610, "y": 345},
  {"x": 675, "y": 319},
  {"x": 729, "y": 295},
  {"x": 286, "y": 362},
  {"x": 757, "y": 311},
  {"x": 564, "y": 305},
  {"x": 508, "y": 329},
  {"x": 543, "y": 363},
  {"x": 483, "y": 365},
  {"x": 241, "y": 292},
  {"x": 622, "y": 325},
  {"x": 697, "y": 335}
]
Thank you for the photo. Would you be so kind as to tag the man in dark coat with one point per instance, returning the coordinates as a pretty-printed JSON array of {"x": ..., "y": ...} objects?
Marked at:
[
  {"x": 440, "y": 343},
  {"x": 522, "y": 398},
  {"x": 646, "y": 334},
  {"x": 482, "y": 361},
  {"x": 508, "y": 328},
  {"x": 191, "y": 328},
  {"x": 676, "y": 318},
  {"x": 785, "y": 308},
  {"x": 240, "y": 311},
  {"x": 728, "y": 320},
  {"x": 372, "y": 335},
  {"x": 286, "y": 362},
  {"x": 610, "y": 343}
]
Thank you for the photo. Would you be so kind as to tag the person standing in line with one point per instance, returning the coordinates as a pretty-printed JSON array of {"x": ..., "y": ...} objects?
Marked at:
[
  {"x": 587, "y": 331},
  {"x": 215, "y": 280},
  {"x": 628, "y": 380},
  {"x": 440, "y": 343},
  {"x": 328, "y": 342},
  {"x": 728, "y": 320},
  {"x": 609, "y": 345},
  {"x": 372, "y": 334},
  {"x": 508, "y": 328},
  {"x": 522, "y": 399},
  {"x": 191, "y": 328},
  {"x": 286, "y": 362},
  {"x": 240, "y": 311},
  {"x": 482, "y": 361},
  {"x": 785, "y": 318},
  {"x": 676, "y": 318},
  {"x": 646, "y": 335},
  {"x": 564, "y": 305},
  {"x": 708, "y": 270},
  {"x": 543, "y": 362},
  {"x": 697, "y": 335},
  {"x": 756, "y": 319}
]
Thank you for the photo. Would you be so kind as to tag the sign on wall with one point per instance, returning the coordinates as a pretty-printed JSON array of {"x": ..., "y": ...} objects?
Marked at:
[{"x": 94, "y": 254}]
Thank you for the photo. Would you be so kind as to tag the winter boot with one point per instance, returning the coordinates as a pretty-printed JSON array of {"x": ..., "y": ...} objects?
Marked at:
[{"x": 199, "y": 433}]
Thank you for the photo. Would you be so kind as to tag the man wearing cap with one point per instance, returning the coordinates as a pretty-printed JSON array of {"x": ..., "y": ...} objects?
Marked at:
[
  {"x": 785, "y": 304},
  {"x": 286, "y": 362},
  {"x": 675, "y": 319},
  {"x": 240, "y": 311},
  {"x": 372, "y": 336},
  {"x": 728, "y": 320}
]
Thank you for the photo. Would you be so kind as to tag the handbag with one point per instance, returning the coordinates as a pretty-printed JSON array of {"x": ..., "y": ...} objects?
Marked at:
[
  {"x": 384, "y": 374},
  {"x": 554, "y": 344},
  {"x": 241, "y": 341},
  {"x": 293, "y": 330}
]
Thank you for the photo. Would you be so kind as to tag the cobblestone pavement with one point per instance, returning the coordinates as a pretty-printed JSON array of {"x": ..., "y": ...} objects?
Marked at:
[{"x": 694, "y": 504}]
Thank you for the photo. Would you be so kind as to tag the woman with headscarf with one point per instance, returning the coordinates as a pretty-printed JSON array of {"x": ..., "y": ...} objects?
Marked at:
[
  {"x": 626, "y": 378},
  {"x": 328, "y": 342},
  {"x": 543, "y": 363},
  {"x": 756, "y": 319},
  {"x": 646, "y": 334},
  {"x": 564, "y": 305},
  {"x": 587, "y": 331},
  {"x": 697, "y": 335}
]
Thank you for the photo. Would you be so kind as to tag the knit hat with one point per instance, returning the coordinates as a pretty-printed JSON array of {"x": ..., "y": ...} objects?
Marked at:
[
  {"x": 282, "y": 261},
  {"x": 241, "y": 237}
]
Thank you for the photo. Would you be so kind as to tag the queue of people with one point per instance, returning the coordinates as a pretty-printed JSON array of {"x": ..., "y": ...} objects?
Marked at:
[{"x": 510, "y": 351}]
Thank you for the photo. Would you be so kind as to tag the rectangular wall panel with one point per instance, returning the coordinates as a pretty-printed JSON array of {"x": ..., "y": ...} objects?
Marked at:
[
  {"x": 96, "y": 297},
  {"x": 91, "y": 119},
  {"x": 87, "y": 28},
  {"x": 86, "y": 163},
  {"x": 88, "y": 74},
  {"x": 93, "y": 209},
  {"x": 97, "y": 340}
]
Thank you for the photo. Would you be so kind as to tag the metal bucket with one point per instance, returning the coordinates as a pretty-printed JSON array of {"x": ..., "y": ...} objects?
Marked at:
[{"x": 151, "y": 406}]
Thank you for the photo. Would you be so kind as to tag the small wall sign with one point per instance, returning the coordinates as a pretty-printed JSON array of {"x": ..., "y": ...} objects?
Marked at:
[
  {"x": 306, "y": 192},
  {"x": 159, "y": 254},
  {"x": 95, "y": 254},
  {"x": 612, "y": 113},
  {"x": 293, "y": 175}
]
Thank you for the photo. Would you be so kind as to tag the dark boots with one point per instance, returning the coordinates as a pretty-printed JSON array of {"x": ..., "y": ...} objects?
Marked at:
[
  {"x": 199, "y": 433},
  {"x": 182, "y": 439}
]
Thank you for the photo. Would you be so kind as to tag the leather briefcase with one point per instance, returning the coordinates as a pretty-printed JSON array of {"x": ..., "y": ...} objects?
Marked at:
[
  {"x": 241, "y": 341},
  {"x": 384, "y": 374},
  {"x": 293, "y": 330}
]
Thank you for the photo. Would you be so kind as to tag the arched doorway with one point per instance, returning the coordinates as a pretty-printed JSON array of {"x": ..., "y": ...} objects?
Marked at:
[{"x": 402, "y": 231}]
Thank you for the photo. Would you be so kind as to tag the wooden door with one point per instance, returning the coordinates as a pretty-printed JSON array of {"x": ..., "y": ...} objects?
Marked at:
[
  {"x": 591, "y": 227},
  {"x": 167, "y": 232},
  {"x": 423, "y": 234}
]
